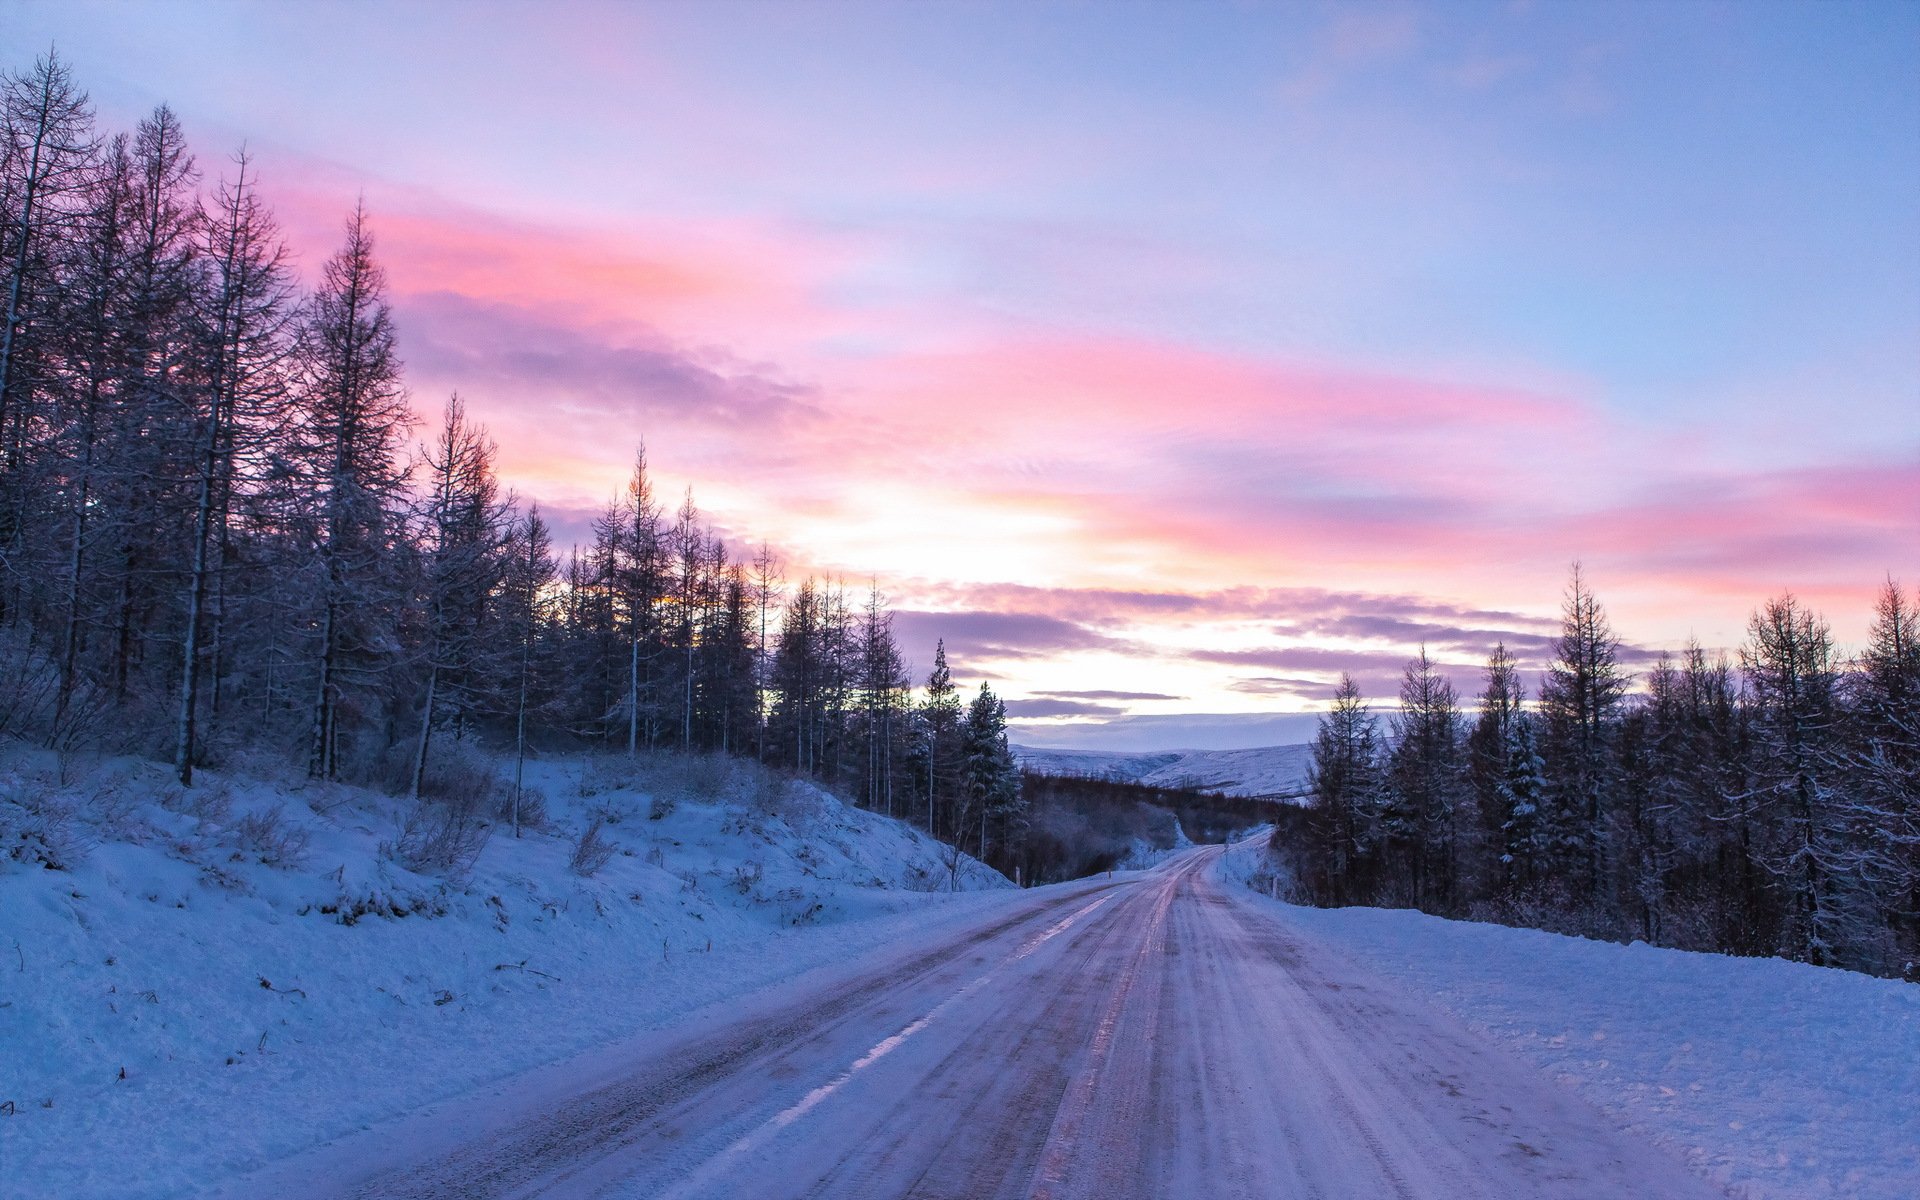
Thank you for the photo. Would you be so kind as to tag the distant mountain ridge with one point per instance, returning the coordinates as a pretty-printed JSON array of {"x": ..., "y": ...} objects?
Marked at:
[{"x": 1278, "y": 771}]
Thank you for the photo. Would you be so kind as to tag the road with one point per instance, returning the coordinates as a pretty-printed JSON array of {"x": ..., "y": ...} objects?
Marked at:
[{"x": 1162, "y": 1036}]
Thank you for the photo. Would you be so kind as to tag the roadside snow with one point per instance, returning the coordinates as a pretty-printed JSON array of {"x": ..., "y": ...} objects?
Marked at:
[
  {"x": 175, "y": 1010},
  {"x": 1777, "y": 1080}
]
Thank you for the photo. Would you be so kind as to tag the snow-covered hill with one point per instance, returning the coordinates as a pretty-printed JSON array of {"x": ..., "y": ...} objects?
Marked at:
[
  {"x": 1261, "y": 771},
  {"x": 244, "y": 967}
]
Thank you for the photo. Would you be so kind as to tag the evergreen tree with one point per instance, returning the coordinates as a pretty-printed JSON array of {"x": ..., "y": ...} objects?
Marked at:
[
  {"x": 1521, "y": 791},
  {"x": 940, "y": 733},
  {"x": 1580, "y": 703},
  {"x": 1345, "y": 777},
  {"x": 526, "y": 613},
  {"x": 1489, "y": 746},
  {"x": 354, "y": 419},
  {"x": 47, "y": 152},
  {"x": 1421, "y": 822},
  {"x": 990, "y": 782},
  {"x": 1881, "y": 763},
  {"x": 1794, "y": 680},
  {"x": 466, "y": 526},
  {"x": 247, "y": 306}
]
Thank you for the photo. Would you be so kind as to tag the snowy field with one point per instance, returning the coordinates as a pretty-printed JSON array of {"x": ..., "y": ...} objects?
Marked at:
[
  {"x": 1777, "y": 1080},
  {"x": 1261, "y": 771},
  {"x": 206, "y": 988}
]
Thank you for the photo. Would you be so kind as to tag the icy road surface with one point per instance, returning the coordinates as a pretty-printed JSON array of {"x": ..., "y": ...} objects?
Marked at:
[{"x": 1159, "y": 1036}]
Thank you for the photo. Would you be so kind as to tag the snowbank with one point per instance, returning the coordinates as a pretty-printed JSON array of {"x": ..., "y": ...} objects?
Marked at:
[
  {"x": 1778, "y": 1080},
  {"x": 225, "y": 975}
]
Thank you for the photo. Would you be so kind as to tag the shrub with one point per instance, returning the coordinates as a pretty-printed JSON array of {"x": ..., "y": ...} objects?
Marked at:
[
  {"x": 41, "y": 827},
  {"x": 443, "y": 837},
  {"x": 270, "y": 838},
  {"x": 591, "y": 851}
]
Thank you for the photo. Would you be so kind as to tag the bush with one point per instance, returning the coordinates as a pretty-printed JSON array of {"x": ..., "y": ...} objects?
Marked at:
[
  {"x": 533, "y": 807},
  {"x": 443, "y": 837},
  {"x": 746, "y": 877},
  {"x": 591, "y": 851},
  {"x": 785, "y": 799},
  {"x": 271, "y": 839},
  {"x": 40, "y": 827}
]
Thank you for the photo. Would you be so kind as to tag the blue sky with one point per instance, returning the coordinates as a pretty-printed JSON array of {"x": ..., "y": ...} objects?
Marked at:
[{"x": 1408, "y": 306}]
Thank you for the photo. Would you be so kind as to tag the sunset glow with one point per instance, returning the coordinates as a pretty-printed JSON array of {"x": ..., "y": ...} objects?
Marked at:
[{"x": 1163, "y": 360}]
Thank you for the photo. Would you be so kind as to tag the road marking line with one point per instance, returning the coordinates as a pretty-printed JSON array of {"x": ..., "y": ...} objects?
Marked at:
[{"x": 875, "y": 1053}]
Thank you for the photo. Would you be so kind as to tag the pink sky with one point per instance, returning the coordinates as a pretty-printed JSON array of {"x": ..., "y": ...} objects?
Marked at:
[{"x": 1163, "y": 363}]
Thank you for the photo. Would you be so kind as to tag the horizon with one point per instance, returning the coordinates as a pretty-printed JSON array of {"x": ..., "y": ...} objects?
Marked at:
[{"x": 1164, "y": 363}]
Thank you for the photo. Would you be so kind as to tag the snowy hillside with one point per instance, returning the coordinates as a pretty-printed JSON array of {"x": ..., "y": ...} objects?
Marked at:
[
  {"x": 1775, "y": 1079},
  {"x": 257, "y": 960},
  {"x": 1260, "y": 771}
]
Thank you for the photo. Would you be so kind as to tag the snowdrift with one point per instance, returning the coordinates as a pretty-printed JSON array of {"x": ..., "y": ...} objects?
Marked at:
[
  {"x": 195, "y": 981},
  {"x": 1775, "y": 1079}
]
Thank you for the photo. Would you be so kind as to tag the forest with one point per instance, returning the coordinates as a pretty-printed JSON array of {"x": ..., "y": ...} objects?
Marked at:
[
  {"x": 1766, "y": 803},
  {"x": 1079, "y": 826},
  {"x": 222, "y": 534}
]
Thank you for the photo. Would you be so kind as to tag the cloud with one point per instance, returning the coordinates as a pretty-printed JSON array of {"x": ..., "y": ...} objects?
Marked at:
[
  {"x": 1148, "y": 494},
  {"x": 975, "y": 638},
  {"x": 1037, "y": 709},
  {"x": 629, "y": 377},
  {"x": 1110, "y": 695},
  {"x": 1291, "y": 686}
]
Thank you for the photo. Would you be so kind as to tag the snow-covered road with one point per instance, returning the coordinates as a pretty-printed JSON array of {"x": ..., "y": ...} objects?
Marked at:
[{"x": 1163, "y": 1035}]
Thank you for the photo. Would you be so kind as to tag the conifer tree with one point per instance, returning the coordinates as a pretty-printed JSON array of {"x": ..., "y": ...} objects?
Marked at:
[
  {"x": 1345, "y": 779},
  {"x": 354, "y": 421},
  {"x": 466, "y": 525},
  {"x": 940, "y": 718},
  {"x": 1579, "y": 703},
  {"x": 247, "y": 306},
  {"x": 1425, "y": 777},
  {"x": 1793, "y": 679},
  {"x": 529, "y": 574}
]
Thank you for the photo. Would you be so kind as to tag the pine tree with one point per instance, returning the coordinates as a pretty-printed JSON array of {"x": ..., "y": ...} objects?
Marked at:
[
  {"x": 1425, "y": 777},
  {"x": 766, "y": 597},
  {"x": 1881, "y": 762},
  {"x": 990, "y": 782},
  {"x": 247, "y": 307},
  {"x": 529, "y": 573},
  {"x": 940, "y": 717},
  {"x": 466, "y": 526},
  {"x": 1793, "y": 681},
  {"x": 354, "y": 420},
  {"x": 881, "y": 681},
  {"x": 1580, "y": 702},
  {"x": 1488, "y": 746},
  {"x": 47, "y": 151},
  {"x": 1522, "y": 791},
  {"x": 1345, "y": 778}
]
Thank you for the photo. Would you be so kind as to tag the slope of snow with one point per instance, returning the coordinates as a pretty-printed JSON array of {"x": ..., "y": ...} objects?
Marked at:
[
  {"x": 1261, "y": 771},
  {"x": 173, "y": 1009},
  {"x": 1777, "y": 1080}
]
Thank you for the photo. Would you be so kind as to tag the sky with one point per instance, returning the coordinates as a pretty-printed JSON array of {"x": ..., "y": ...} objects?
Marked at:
[{"x": 1165, "y": 359}]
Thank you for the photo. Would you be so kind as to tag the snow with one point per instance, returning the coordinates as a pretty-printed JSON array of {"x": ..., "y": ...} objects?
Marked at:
[
  {"x": 173, "y": 1010},
  {"x": 1775, "y": 1079},
  {"x": 1261, "y": 771},
  {"x": 1154, "y": 1035},
  {"x": 261, "y": 1008}
]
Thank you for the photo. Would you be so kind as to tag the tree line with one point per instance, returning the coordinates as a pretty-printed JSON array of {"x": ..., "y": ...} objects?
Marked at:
[
  {"x": 218, "y": 533},
  {"x": 1761, "y": 804}
]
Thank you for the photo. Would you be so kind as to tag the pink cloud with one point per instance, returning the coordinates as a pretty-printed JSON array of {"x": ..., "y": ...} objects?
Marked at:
[{"x": 1151, "y": 477}]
